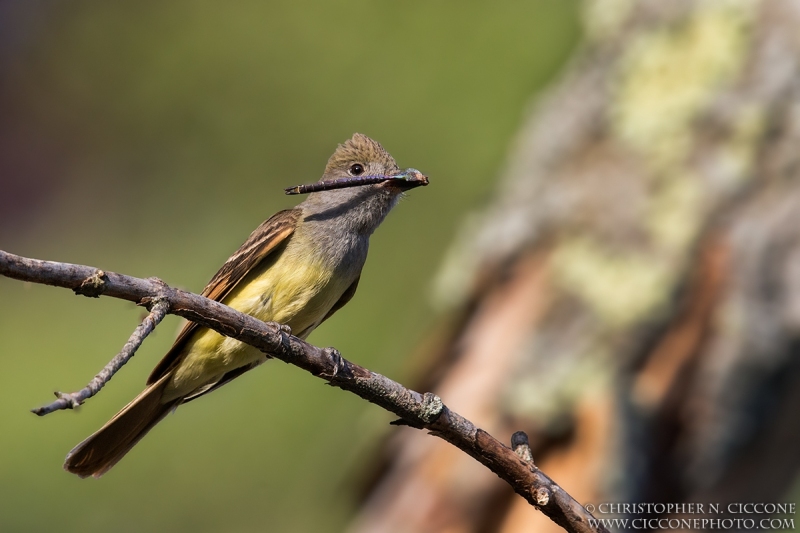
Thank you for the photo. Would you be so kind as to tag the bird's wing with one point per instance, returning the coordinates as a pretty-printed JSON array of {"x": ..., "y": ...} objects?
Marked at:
[
  {"x": 346, "y": 297},
  {"x": 264, "y": 240}
]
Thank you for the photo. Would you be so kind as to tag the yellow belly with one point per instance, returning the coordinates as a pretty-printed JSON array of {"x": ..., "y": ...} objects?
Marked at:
[{"x": 291, "y": 289}]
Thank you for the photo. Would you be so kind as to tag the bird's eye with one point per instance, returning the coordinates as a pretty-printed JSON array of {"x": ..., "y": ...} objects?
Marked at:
[{"x": 356, "y": 170}]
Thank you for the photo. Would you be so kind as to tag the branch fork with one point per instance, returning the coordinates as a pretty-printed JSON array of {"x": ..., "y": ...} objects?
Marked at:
[{"x": 159, "y": 307}]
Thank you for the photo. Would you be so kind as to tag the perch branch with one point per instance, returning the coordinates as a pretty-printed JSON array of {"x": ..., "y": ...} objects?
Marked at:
[{"x": 417, "y": 410}]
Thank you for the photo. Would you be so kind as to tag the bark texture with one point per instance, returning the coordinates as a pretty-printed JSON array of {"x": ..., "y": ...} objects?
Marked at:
[{"x": 631, "y": 295}]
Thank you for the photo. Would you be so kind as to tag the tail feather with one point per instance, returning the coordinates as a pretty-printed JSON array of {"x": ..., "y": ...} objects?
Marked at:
[{"x": 103, "y": 449}]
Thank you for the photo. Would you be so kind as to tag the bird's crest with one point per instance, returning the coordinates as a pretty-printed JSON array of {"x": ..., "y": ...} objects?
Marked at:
[{"x": 359, "y": 149}]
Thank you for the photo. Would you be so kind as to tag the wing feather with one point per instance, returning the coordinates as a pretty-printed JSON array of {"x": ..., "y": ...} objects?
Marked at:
[
  {"x": 264, "y": 240},
  {"x": 346, "y": 297}
]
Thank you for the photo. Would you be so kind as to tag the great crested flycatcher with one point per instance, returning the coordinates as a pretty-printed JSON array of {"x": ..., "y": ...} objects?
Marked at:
[{"x": 297, "y": 268}]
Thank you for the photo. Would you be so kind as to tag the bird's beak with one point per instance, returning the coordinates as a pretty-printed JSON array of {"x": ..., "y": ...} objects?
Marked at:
[{"x": 408, "y": 179}]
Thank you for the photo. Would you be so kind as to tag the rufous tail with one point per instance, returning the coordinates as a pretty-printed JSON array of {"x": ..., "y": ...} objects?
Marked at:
[{"x": 99, "y": 452}]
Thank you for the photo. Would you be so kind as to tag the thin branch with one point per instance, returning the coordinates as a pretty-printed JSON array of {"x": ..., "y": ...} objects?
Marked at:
[
  {"x": 72, "y": 400},
  {"x": 420, "y": 411}
]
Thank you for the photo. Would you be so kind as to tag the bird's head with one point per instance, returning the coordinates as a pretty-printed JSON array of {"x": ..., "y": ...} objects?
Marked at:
[{"x": 357, "y": 157}]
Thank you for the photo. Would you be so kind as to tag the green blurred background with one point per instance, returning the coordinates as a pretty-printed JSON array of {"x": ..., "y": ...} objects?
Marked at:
[{"x": 150, "y": 138}]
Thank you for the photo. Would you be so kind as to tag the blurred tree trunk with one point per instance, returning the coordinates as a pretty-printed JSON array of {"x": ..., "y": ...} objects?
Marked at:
[{"x": 631, "y": 297}]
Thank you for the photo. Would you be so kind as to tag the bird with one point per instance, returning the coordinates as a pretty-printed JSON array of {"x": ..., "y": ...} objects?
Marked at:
[{"x": 297, "y": 268}]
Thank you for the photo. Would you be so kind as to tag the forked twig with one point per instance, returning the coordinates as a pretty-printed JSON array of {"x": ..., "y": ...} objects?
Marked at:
[{"x": 71, "y": 400}]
